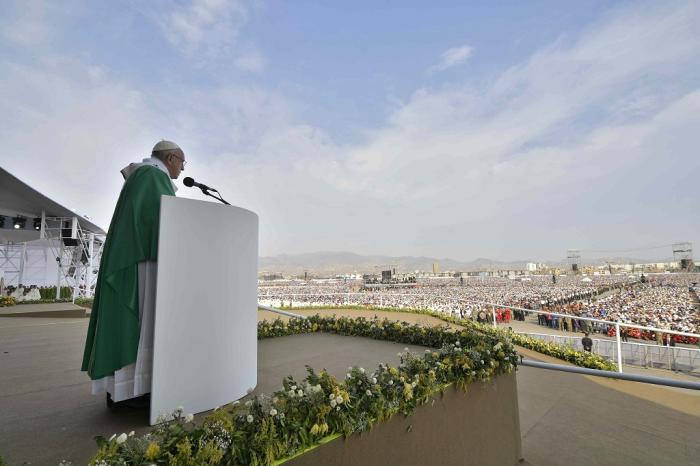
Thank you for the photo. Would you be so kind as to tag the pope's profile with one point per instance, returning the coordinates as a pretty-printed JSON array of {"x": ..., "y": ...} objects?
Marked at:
[{"x": 119, "y": 346}]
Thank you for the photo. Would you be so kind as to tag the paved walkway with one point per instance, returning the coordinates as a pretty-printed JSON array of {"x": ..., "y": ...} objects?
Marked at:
[{"x": 47, "y": 413}]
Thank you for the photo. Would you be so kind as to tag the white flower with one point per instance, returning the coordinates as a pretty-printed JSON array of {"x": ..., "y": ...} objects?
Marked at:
[
  {"x": 391, "y": 382},
  {"x": 122, "y": 438},
  {"x": 374, "y": 380},
  {"x": 458, "y": 343},
  {"x": 401, "y": 379},
  {"x": 369, "y": 392},
  {"x": 273, "y": 412},
  {"x": 249, "y": 418},
  {"x": 427, "y": 351},
  {"x": 333, "y": 403},
  {"x": 112, "y": 437},
  {"x": 179, "y": 409},
  {"x": 362, "y": 369},
  {"x": 331, "y": 396},
  {"x": 249, "y": 403},
  {"x": 482, "y": 361},
  {"x": 132, "y": 433},
  {"x": 497, "y": 346},
  {"x": 189, "y": 417},
  {"x": 300, "y": 392},
  {"x": 291, "y": 393},
  {"x": 281, "y": 415},
  {"x": 235, "y": 403},
  {"x": 348, "y": 375},
  {"x": 339, "y": 400},
  {"x": 293, "y": 387},
  {"x": 337, "y": 408},
  {"x": 413, "y": 384}
]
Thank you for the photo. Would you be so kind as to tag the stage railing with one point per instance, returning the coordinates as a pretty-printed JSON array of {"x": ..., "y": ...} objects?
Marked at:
[{"x": 673, "y": 358}]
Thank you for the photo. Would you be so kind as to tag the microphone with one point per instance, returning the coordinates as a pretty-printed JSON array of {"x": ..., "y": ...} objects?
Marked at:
[{"x": 189, "y": 182}]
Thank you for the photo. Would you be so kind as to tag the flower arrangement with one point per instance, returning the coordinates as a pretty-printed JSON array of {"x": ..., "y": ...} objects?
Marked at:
[
  {"x": 45, "y": 301},
  {"x": 303, "y": 413},
  {"x": 565, "y": 352},
  {"x": 7, "y": 301}
]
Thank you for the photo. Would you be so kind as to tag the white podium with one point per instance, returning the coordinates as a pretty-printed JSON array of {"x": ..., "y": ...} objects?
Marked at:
[{"x": 205, "y": 337}]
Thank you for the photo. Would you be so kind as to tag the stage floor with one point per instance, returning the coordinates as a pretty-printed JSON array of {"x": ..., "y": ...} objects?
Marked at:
[{"x": 47, "y": 413}]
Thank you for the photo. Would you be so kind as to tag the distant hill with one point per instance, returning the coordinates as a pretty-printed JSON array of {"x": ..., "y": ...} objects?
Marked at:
[
  {"x": 341, "y": 262},
  {"x": 347, "y": 262}
]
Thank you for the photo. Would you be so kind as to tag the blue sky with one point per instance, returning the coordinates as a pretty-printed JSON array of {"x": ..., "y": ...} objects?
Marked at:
[{"x": 507, "y": 130}]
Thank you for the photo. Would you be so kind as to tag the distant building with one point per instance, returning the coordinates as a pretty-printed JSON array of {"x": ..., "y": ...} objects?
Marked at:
[{"x": 436, "y": 268}]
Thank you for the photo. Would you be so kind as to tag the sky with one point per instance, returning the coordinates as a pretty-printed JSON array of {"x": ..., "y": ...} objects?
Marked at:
[{"x": 506, "y": 130}]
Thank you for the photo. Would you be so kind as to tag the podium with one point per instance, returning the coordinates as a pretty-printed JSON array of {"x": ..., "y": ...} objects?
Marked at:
[{"x": 205, "y": 331}]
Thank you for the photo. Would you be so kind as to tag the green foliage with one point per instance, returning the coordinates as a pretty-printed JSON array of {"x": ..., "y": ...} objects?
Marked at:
[
  {"x": 302, "y": 413},
  {"x": 50, "y": 293},
  {"x": 84, "y": 302}
]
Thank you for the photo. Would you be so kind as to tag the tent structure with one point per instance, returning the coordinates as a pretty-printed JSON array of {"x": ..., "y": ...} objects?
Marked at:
[{"x": 44, "y": 243}]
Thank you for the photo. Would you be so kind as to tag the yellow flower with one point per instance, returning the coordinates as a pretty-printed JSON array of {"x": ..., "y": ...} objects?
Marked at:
[
  {"x": 315, "y": 429},
  {"x": 393, "y": 371},
  {"x": 407, "y": 391},
  {"x": 152, "y": 451}
]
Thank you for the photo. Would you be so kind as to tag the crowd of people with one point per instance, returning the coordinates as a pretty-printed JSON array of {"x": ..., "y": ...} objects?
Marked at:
[
  {"x": 664, "y": 301},
  {"x": 21, "y": 293},
  {"x": 668, "y": 302},
  {"x": 24, "y": 293}
]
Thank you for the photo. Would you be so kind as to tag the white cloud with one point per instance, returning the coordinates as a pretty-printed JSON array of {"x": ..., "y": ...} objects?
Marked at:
[
  {"x": 583, "y": 143},
  {"x": 250, "y": 61},
  {"x": 453, "y": 57},
  {"x": 28, "y": 26},
  {"x": 203, "y": 28}
]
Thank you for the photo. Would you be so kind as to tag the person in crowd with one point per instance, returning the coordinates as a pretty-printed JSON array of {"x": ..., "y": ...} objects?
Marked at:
[{"x": 587, "y": 343}]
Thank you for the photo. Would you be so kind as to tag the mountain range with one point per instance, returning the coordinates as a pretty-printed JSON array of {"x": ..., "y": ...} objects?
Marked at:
[{"x": 338, "y": 262}]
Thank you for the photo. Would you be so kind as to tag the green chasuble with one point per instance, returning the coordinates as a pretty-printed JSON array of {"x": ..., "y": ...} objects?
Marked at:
[{"x": 113, "y": 334}]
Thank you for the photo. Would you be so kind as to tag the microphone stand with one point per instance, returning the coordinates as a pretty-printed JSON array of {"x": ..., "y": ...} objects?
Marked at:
[{"x": 218, "y": 197}]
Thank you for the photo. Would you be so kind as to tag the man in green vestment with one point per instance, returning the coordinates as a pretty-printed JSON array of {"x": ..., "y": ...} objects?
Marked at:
[{"x": 118, "y": 348}]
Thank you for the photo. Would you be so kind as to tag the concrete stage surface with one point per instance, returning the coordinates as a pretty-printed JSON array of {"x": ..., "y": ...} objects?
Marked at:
[
  {"x": 47, "y": 413},
  {"x": 44, "y": 310}
]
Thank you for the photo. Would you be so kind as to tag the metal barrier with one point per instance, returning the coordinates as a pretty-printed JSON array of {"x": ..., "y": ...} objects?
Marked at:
[
  {"x": 637, "y": 354},
  {"x": 690, "y": 385},
  {"x": 281, "y": 312}
]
